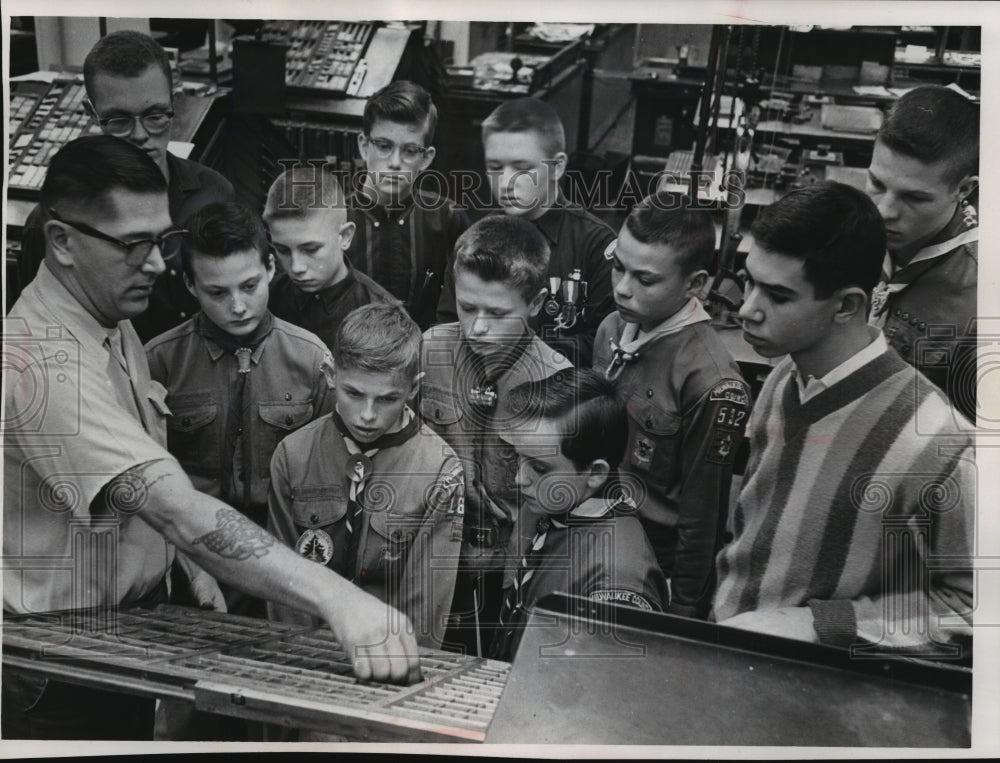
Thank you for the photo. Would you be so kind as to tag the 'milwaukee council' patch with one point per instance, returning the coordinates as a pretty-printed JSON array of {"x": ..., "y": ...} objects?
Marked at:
[{"x": 618, "y": 596}]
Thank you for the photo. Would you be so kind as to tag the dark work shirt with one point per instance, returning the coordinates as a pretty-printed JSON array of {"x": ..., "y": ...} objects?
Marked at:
[
  {"x": 323, "y": 312},
  {"x": 578, "y": 240},
  {"x": 191, "y": 187},
  {"x": 408, "y": 248}
]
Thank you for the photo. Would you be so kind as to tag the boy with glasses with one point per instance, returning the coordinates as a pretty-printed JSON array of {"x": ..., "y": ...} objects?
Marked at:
[
  {"x": 130, "y": 95},
  {"x": 404, "y": 235}
]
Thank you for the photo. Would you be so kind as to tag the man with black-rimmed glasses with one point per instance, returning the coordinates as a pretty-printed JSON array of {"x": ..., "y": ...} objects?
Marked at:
[{"x": 130, "y": 95}]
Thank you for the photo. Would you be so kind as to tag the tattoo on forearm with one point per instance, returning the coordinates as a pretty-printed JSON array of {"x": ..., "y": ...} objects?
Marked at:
[{"x": 236, "y": 537}]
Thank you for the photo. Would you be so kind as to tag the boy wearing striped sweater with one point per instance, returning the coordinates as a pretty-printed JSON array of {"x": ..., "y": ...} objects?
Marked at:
[{"x": 855, "y": 519}]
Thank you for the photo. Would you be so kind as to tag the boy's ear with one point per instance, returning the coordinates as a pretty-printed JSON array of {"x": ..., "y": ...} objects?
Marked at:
[
  {"x": 190, "y": 284},
  {"x": 696, "y": 283},
  {"x": 270, "y": 267},
  {"x": 967, "y": 186},
  {"x": 58, "y": 240},
  {"x": 91, "y": 111},
  {"x": 559, "y": 162},
  {"x": 852, "y": 301},
  {"x": 363, "y": 146},
  {"x": 416, "y": 386},
  {"x": 597, "y": 475},
  {"x": 536, "y": 304},
  {"x": 428, "y": 158},
  {"x": 346, "y": 235},
  {"x": 329, "y": 369}
]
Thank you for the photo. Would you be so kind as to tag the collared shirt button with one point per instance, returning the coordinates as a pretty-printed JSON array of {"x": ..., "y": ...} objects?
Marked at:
[
  {"x": 184, "y": 315},
  {"x": 375, "y": 223},
  {"x": 906, "y": 316},
  {"x": 186, "y": 421},
  {"x": 288, "y": 420},
  {"x": 914, "y": 321},
  {"x": 288, "y": 396},
  {"x": 313, "y": 518},
  {"x": 173, "y": 272},
  {"x": 649, "y": 393},
  {"x": 649, "y": 423},
  {"x": 239, "y": 431},
  {"x": 898, "y": 312},
  {"x": 922, "y": 326},
  {"x": 401, "y": 220}
]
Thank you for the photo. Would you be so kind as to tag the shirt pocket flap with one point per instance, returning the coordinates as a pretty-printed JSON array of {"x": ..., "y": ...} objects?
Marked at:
[
  {"x": 157, "y": 395},
  {"x": 191, "y": 411},
  {"x": 437, "y": 405},
  {"x": 394, "y": 527},
  {"x": 651, "y": 417},
  {"x": 318, "y": 505},
  {"x": 286, "y": 415}
]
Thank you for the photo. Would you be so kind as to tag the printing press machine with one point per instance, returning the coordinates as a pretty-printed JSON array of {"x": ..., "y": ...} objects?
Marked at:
[{"x": 585, "y": 673}]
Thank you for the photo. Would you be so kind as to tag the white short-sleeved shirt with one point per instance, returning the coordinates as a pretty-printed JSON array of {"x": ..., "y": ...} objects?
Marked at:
[{"x": 74, "y": 419}]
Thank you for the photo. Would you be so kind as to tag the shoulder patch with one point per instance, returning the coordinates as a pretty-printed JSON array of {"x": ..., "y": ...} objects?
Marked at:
[
  {"x": 620, "y": 596},
  {"x": 730, "y": 391}
]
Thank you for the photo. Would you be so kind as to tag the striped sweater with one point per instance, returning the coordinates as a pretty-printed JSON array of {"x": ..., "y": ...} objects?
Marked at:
[{"x": 860, "y": 505}]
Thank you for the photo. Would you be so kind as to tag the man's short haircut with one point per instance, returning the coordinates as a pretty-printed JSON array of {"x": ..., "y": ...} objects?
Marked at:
[
  {"x": 379, "y": 337},
  {"x": 528, "y": 115},
  {"x": 404, "y": 102},
  {"x": 125, "y": 53},
  {"x": 835, "y": 229},
  {"x": 689, "y": 231},
  {"x": 303, "y": 189},
  {"x": 933, "y": 123},
  {"x": 505, "y": 249},
  {"x": 85, "y": 171},
  {"x": 588, "y": 409},
  {"x": 223, "y": 228}
]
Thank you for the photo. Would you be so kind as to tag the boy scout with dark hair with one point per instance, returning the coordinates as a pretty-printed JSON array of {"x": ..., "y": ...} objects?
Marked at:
[
  {"x": 587, "y": 540},
  {"x": 687, "y": 403},
  {"x": 238, "y": 379}
]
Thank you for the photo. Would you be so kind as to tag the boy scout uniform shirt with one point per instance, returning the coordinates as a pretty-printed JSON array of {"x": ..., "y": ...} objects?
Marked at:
[
  {"x": 927, "y": 310},
  {"x": 687, "y": 408},
  {"x": 285, "y": 390},
  {"x": 191, "y": 187},
  {"x": 594, "y": 553},
  {"x": 323, "y": 312},
  {"x": 411, "y": 530},
  {"x": 81, "y": 409},
  {"x": 407, "y": 248},
  {"x": 578, "y": 240},
  {"x": 490, "y": 464}
]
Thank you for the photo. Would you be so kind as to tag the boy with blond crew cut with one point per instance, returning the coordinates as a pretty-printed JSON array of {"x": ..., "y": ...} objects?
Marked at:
[
  {"x": 470, "y": 365},
  {"x": 368, "y": 491},
  {"x": 525, "y": 148},
  {"x": 237, "y": 378},
  {"x": 687, "y": 402},
  {"x": 306, "y": 216},
  {"x": 404, "y": 234}
]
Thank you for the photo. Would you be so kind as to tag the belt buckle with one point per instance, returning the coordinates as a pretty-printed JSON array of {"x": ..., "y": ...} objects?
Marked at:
[{"x": 484, "y": 537}]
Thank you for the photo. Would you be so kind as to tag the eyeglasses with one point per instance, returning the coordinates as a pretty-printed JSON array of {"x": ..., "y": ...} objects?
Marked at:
[
  {"x": 137, "y": 251},
  {"x": 410, "y": 153},
  {"x": 153, "y": 122}
]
